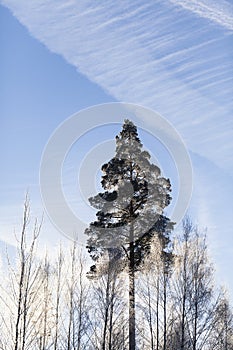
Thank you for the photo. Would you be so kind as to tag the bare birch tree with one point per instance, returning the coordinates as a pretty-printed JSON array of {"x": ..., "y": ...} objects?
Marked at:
[{"x": 109, "y": 323}]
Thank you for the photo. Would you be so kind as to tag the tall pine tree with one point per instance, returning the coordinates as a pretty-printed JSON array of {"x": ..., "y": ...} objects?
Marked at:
[{"x": 130, "y": 212}]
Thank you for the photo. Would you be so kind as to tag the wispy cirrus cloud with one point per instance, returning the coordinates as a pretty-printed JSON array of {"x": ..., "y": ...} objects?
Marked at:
[
  {"x": 218, "y": 12},
  {"x": 156, "y": 54}
]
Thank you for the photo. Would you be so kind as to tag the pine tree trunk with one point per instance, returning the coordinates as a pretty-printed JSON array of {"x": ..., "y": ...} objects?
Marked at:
[
  {"x": 157, "y": 315},
  {"x": 131, "y": 299},
  {"x": 150, "y": 315},
  {"x": 111, "y": 313},
  {"x": 105, "y": 328},
  {"x": 106, "y": 315},
  {"x": 165, "y": 313}
]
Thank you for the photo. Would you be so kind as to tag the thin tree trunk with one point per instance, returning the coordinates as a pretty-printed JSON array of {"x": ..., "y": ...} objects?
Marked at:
[
  {"x": 19, "y": 311},
  {"x": 150, "y": 315},
  {"x": 45, "y": 315},
  {"x": 195, "y": 310},
  {"x": 165, "y": 312},
  {"x": 26, "y": 262},
  {"x": 195, "y": 327},
  {"x": 183, "y": 319},
  {"x": 105, "y": 328},
  {"x": 226, "y": 327},
  {"x": 111, "y": 311},
  {"x": 106, "y": 312},
  {"x": 157, "y": 315},
  {"x": 70, "y": 322},
  {"x": 60, "y": 257},
  {"x": 184, "y": 297},
  {"x": 80, "y": 316},
  {"x": 71, "y": 301},
  {"x": 27, "y": 283},
  {"x": 22, "y": 273},
  {"x": 131, "y": 299}
]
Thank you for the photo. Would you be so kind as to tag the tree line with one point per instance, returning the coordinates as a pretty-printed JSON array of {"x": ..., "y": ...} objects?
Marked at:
[{"x": 56, "y": 303}]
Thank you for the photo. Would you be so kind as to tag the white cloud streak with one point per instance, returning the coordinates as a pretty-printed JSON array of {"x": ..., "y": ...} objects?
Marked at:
[
  {"x": 218, "y": 12},
  {"x": 155, "y": 54}
]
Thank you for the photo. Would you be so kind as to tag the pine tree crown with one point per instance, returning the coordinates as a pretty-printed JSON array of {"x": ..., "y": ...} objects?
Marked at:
[{"x": 131, "y": 208}]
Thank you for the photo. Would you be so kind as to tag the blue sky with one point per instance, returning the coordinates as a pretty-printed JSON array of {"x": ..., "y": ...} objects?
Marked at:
[{"x": 173, "y": 56}]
